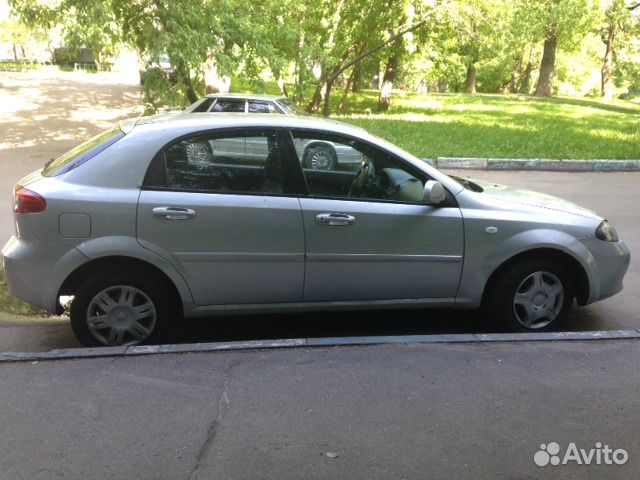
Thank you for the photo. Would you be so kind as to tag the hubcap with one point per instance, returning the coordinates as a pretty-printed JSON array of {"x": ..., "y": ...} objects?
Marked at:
[
  {"x": 197, "y": 153},
  {"x": 321, "y": 160},
  {"x": 538, "y": 300},
  {"x": 121, "y": 315}
]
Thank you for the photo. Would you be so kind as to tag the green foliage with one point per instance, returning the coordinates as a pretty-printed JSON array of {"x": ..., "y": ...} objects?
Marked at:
[
  {"x": 308, "y": 43},
  {"x": 28, "y": 39}
]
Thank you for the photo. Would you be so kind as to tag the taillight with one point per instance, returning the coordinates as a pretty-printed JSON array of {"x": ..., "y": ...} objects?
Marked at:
[{"x": 26, "y": 201}]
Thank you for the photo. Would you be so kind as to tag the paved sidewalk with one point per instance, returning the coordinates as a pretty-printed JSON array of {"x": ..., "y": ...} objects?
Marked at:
[
  {"x": 536, "y": 164},
  {"x": 376, "y": 412}
]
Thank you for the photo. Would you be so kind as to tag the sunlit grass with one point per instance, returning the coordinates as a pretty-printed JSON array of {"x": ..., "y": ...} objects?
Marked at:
[{"x": 502, "y": 126}]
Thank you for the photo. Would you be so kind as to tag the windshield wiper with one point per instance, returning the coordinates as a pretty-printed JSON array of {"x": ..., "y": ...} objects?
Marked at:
[{"x": 468, "y": 184}]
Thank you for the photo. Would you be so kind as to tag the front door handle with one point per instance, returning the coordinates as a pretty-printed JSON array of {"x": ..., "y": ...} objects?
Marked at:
[
  {"x": 335, "y": 219},
  {"x": 173, "y": 213}
]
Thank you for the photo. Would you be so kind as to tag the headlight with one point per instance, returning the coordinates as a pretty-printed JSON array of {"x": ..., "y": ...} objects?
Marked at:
[{"x": 606, "y": 232}]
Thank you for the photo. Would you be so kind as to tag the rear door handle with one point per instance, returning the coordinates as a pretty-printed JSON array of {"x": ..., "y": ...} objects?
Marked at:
[
  {"x": 173, "y": 213},
  {"x": 335, "y": 219}
]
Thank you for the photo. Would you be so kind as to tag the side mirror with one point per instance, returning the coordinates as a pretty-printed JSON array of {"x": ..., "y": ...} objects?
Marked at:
[{"x": 433, "y": 192}]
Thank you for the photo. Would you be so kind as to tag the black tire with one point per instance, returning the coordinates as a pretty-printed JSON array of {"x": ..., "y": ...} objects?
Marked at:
[
  {"x": 320, "y": 157},
  {"x": 537, "y": 308},
  {"x": 150, "y": 298}
]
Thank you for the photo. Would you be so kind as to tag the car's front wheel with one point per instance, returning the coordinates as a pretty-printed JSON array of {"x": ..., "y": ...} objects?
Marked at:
[
  {"x": 114, "y": 308},
  {"x": 533, "y": 295},
  {"x": 320, "y": 157}
]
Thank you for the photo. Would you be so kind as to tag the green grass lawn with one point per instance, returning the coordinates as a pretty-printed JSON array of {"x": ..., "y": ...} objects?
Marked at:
[
  {"x": 502, "y": 126},
  {"x": 495, "y": 126}
]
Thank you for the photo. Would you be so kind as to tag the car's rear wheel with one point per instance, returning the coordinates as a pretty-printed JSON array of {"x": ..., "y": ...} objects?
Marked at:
[
  {"x": 532, "y": 295},
  {"x": 320, "y": 157},
  {"x": 120, "y": 308}
]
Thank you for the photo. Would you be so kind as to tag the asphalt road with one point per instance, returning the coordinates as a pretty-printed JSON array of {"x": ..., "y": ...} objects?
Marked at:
[{"x": 438, "y": 411}]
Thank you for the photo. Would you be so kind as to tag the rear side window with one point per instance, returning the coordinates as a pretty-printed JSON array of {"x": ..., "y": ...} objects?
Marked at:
[
  {"x": 236, "y": 162},
  {"x": 82, "y": 153}
]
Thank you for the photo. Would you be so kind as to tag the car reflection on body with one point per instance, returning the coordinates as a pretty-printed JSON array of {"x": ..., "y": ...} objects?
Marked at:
[{"x": 318, "y": 155}]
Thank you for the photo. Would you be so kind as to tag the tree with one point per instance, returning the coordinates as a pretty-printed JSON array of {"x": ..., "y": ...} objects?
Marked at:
[
  {"x": 560, "y": 24},
  {"x": 617, "y": 22},
  {"x": 346, "y": 64}
]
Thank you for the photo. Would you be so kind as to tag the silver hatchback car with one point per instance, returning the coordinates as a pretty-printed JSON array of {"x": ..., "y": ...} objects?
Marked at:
[{"x": 141, "y": 233}]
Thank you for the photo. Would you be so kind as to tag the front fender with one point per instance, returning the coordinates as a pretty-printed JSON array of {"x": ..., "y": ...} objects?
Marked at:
[{"x": 482, "y": 259}]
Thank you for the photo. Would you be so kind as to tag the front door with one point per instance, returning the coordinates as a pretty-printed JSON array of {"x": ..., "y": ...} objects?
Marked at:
[{"x": 369, "y": 235}]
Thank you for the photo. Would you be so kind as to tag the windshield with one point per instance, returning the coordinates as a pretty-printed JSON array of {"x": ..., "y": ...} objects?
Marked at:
[
  {"x": 202, "y": 105},
  {"x": 291, "y": 107},
  {"x": 80, "y": 154}
]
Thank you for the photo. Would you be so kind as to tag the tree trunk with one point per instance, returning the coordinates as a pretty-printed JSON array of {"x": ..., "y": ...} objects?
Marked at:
[
  {"x": 471, "y": 78},
  {"x": 390, "y": 74},
  {"x": 282, "y": 84},
  {"x": 319, "y": 93},
  {"x": 607, "y": 87},
  {"x": 547, "y": 65},
  {"x": 356, "y": 83},
  {"x": 525, "y": 84},
  {"x": 515, "y": 75},
  {"x": 191, "y": 92},
  {"x": 326, "y": 111},
  {"x": 15, "y": 52},
  {"x": 346, "y": 91},
  {"x": 442, "y": 85}
]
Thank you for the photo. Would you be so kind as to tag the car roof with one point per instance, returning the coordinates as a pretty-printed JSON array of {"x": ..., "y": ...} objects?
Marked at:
[
  {"x": 245, "y": 96},
  {"x": 208, "y": 120}
]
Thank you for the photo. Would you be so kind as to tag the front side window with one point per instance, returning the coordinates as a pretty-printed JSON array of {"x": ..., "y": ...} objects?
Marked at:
[
  {"x": 228, "y": 105},
  {"x": 336, "y": 166},
  {"x": 222, "y": 163}
]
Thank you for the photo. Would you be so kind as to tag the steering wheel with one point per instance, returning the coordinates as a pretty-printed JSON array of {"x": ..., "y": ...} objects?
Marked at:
[{"x": 365, "y": 178}]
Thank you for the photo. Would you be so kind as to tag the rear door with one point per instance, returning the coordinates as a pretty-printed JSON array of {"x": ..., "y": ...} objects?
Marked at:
[{"x": 228, "y": 224}]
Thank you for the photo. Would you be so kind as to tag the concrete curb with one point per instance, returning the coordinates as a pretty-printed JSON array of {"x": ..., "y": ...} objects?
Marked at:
[
  {"x": 80, "y": 353},
  {"x": 534, "y": 164}
]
